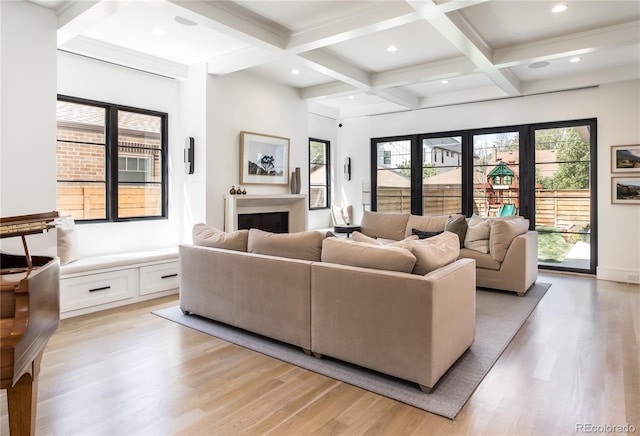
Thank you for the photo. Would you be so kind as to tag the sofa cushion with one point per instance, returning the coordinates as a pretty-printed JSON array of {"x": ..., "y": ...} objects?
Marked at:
[
  {"x": 207, "y": 236},
  {"x": 384, "y": 225},
  {"x": 301, "y": 245},
  {"x": 435, "y": 252},
  {"x": 502, "y": 233},
  {"x": 458, "y": 225},
  {"x": 426, "y": 223},
  {"x": 477, "y": 237},
  {"x": 365, "y": 255},
  {"x": 361, "y": 237},
  {"x": 483, "y": 260}
]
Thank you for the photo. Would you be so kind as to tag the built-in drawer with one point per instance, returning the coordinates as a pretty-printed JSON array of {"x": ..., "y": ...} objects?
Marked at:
[
  {"x": 94, "y": 289},
  {"x": 159, "y": 277}
]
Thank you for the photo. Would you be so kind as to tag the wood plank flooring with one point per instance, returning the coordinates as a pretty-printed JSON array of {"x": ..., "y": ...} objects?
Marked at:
[{"x": 575, "y": 362}]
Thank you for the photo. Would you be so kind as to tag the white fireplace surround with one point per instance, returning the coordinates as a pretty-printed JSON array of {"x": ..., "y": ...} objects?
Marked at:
[{"x": 295, "y": 204}]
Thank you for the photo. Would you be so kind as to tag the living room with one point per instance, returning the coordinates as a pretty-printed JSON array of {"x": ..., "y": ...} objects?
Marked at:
[{"x": 214, "y": 109}]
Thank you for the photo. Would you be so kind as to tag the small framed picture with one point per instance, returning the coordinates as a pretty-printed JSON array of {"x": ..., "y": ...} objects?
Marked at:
[
  {"x": 264, "y": 159},
  {"x": 625, "y": 158},
  {"x": 625, "y": 190}
]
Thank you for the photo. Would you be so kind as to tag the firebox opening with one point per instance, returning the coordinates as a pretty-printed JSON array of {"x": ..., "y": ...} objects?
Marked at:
[{"x": 275, "y": 222}]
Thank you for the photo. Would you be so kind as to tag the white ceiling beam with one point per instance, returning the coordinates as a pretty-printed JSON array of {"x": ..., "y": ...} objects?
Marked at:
[
  {"x": 457, "y": 30},
  {"x": 234, "y": 21},
  {"x": 82, "y": 15},
  {"x": 241, "y": 59},
  {"x": 129, "y": 58},
  {"x": 446, "y": 69},
  {"x": 593, "y": 78},
  {"x": 332, "y": 89},
  {"x": 569, "y": 45},
  {"x": 374, "y": 18}
]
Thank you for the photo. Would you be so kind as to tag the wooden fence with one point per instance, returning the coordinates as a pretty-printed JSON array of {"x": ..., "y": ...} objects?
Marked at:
[
  {"x": 562, "y": 209},
  {"x": 89, "y": 202}
]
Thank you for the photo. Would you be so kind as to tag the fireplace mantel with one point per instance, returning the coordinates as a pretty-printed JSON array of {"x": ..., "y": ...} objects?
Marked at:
[{"x": 295, "y": 204}]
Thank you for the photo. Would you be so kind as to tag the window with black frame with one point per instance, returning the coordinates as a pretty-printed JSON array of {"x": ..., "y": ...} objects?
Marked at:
[
  {"x": 544, "y": 172},
  {"x": 319, "y": 174},
  {"x": 111, "y": 161}
]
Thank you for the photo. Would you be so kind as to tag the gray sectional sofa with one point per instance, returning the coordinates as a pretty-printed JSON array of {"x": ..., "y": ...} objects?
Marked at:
[{"x": 289, "y": 287}]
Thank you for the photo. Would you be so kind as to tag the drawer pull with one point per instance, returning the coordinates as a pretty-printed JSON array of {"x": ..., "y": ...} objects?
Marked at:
[
  {"x": 169, "y": 276},
  {"x": 100, "y": 289}
]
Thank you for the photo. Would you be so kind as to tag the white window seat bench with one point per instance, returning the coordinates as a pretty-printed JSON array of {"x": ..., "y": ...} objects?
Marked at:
[{"x": 102, "y": 282}]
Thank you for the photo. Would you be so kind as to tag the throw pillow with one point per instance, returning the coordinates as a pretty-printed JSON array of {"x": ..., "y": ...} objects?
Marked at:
[
  {"x": 301, "y": 245},
  {"x": 423, "y": 234},
  {"x": 364, "y": 255},
  {"x": 434, "y": 252},
  {"x": 207, "y": 236},
  {"x": 384, "y": 225},
  {"x": 477, "y": 237},
  {"x": 502, "y": 234},
  {"x": 457, "y": 224},
  {"x": 361, "y": 237},
  {"x": 67, "y": 239}
]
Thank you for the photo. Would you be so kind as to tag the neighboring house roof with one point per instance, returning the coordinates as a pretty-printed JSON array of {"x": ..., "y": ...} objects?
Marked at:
[{"x": 390, "y": 178}]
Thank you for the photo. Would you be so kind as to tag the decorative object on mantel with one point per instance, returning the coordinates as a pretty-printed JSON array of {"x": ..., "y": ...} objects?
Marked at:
[
  {"x": 244, "y": 191},
  {"x": 295, "y": 181},
  {"x": 264, "y": 159},
  {"x": 232, "y": 191}
]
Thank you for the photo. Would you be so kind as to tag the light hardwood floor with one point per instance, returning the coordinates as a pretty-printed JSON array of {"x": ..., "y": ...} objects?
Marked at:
[{"x": 575, "y": 362}]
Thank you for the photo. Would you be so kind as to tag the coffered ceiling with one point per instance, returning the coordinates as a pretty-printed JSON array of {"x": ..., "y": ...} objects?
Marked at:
[{"x": 446, "y": 52}]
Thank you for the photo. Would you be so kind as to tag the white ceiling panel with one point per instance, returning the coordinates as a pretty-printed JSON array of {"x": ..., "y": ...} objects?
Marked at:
[{"x": 455, "y": 84}]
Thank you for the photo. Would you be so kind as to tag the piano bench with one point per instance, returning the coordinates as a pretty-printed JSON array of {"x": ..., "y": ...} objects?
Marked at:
[{"x": 103, "y": 282}]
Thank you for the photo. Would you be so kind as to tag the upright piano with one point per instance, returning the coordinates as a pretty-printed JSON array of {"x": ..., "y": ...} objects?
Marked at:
[{"x": 29, "y": 315}]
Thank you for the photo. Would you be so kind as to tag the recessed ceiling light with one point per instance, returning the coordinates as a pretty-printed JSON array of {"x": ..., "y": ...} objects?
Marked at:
[
  {"x": 444, "y": 82},
  {"x": 559, "y": 8},
  {"x": 539, "y": 64},
  {"x": 351, "y": 97},
  {"x": 392, "y": 48},
  {"x": 184, "y": 21},
  {"x": 159, "y": 31},
  {"x": 295, "y": 72},
  {"x": 575, "y": 59}
]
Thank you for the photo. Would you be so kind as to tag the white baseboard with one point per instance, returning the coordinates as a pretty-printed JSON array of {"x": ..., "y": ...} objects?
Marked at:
[{"x": 619, "y": 275}]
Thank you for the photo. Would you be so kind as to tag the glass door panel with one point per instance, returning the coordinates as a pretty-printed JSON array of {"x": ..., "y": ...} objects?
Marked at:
[
  {"x": 393, "y": 188},
  {"x": 496, "y": 174},
  {"x": 563, "y": 197},
  {"x": 442, "y": 175}
]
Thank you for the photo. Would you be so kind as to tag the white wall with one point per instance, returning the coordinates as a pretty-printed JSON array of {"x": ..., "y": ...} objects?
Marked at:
[
  {"x": 86, "y": 78},
  {"x": 193, "y": 123},
  {"x": 242, "y": 101},
  {"x": 616, "y": 106},
  {"x": 27, "y": 118},
  {"x": 323, "y": 125}
]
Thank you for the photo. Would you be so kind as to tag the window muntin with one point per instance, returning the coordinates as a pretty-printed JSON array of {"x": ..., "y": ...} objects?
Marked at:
[
  {"x": 319, "y": 174},
  {"x": 110, "y": 161}
]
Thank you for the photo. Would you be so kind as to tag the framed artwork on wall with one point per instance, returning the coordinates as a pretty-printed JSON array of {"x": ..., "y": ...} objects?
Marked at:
[
  {"x": 625, "y": 158},
  {"x": 625, "y": 190},
  {"x": 264, "y": 159}
]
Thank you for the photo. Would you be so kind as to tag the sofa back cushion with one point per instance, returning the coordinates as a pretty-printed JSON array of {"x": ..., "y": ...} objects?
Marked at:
[
  {"x": 208, "y": 236},
  {"x": 366, "y": 255},
  {"x": 502, "y": 234},
  {"x": 457, "y": 224},
  {"x": 477, "y": 237},
  {"x": 385, "y": 225},
  {"x": 302, "y": 245},
  {"x": 425, "y": 223},
  {"x": 435, "y": 252}
]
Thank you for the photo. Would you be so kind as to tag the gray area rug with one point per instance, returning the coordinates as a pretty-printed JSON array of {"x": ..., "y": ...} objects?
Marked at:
[{"x": 499, "y": 316}]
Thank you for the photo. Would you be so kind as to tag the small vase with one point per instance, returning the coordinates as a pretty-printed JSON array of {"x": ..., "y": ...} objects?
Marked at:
[
  {"x": 232, "y": 191},
  {"x": 293, "y": 183},
  {"x": 298, "y": 183}
]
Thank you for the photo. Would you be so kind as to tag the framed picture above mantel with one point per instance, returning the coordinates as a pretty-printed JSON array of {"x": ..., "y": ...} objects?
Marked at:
[
  {"x": 264, "y": 159},
  {"x": 625, "y": 190}
]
